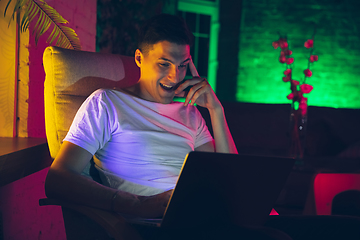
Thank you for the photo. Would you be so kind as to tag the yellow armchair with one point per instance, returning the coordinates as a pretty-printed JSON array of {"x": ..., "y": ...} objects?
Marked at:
[{"x": 71, "y": 76}]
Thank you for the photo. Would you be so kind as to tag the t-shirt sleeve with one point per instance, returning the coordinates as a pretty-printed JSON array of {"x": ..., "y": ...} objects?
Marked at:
[
  {"x": 202, "y": 135},
  {"x": 90, "y": 128}
]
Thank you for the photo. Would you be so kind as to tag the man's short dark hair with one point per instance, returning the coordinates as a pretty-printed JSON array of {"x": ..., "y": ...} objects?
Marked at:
[{"x": 164, "y": 27}]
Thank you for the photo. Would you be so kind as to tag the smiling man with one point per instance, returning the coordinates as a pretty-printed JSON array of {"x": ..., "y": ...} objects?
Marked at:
[
  {"x": 162, "y": 68},
  {"x": 138, "y": 136}
]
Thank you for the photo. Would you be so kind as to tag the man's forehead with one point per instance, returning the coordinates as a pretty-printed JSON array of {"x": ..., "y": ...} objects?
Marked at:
[{"x": 170, "y": 51}]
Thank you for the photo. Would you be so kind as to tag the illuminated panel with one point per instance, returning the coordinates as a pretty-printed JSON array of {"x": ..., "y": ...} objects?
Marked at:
[{"x": 335, "y": 76}]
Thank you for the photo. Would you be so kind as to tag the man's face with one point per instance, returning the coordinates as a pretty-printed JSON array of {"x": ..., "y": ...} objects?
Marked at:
[{"x": 162, "y": 69}]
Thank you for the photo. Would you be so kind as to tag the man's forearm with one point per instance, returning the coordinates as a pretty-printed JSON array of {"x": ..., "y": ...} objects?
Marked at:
[
  {"x": 224, "y": 142},
  {"x": 76, "y": 188},
  {"x": 73, "y": 187}
]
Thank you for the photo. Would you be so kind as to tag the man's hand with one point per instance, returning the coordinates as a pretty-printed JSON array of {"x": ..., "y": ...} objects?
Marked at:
[
  {"x": 200, "y": 93},
  {"x": 154, "y": 206},
  {"x": 144, "y": 206}
]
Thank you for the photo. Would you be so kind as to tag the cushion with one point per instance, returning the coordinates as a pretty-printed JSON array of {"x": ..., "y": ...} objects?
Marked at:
[{"x": 71, "y": 76}]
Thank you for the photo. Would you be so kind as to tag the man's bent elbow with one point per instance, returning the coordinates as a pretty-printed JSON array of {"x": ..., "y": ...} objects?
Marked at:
[{"x": 52, "y": 183}]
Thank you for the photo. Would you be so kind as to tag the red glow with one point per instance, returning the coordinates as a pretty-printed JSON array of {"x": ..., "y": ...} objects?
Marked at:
[{"x": 328, "y": 185}]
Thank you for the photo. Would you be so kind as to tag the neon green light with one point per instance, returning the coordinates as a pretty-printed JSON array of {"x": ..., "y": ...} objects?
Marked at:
[
  {"x": 336, "y": 83},
  {"x": 296, "y": 105}
]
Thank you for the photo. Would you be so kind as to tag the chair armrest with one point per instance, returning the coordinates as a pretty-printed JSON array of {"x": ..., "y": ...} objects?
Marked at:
[{"x": 112, "y": 222}]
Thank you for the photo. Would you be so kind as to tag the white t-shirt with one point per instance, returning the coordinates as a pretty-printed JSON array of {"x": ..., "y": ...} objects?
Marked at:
[{"x": 138, "y": 146}]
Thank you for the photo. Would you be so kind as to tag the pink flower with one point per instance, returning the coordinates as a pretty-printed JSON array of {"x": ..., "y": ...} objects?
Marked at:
[
  {"x": 282, "y": 59},
  {"x": 306, "y": 88},
  {"x": 288, "y": 52},
  {"x": 275, "y": 44},
  {"x": 295, "y": 82},
  {"x": 307, "y": 72},
  {"x": 309, "y": 43},
  {"x": 286, "y": 79},
  {"x": 287, "y": 71},
  {"x": 283, "y": 44},
  {"x": 303, "y": 106},
  {"x": 303, "y": 99},
  {"x": 314, "y": 58},
  {"x": 290, "y": 96},
  {"x": 285, "y": 53},
  {"x": 289, "y": 61}
]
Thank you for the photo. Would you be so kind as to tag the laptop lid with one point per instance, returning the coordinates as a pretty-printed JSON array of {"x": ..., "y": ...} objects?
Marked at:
[{"x": 219, "y": 187}]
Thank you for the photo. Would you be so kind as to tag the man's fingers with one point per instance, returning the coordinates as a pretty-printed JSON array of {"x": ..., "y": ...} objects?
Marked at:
[
  {"x": 192, "y": 68},
  {"x": 190, "y": 96},
  {"x": 181, "y": 94},
  {"x": 185, "y": 84},
  {"x": 196, "y": 95}
]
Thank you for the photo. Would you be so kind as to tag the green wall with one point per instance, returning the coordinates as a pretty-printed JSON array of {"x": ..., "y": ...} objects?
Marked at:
[{"x": 336, "y": 76}]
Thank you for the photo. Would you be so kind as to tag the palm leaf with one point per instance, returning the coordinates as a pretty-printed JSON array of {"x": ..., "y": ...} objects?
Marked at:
[
  {"x": 47, "y": 16},
  {"x": 18, "y": 6}
]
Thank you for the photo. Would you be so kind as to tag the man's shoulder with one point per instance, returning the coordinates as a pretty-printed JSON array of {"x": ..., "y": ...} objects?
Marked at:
[
  {"x": 101, "y": 96},
  {"x": 105, "y": 93},
  {"x": 102, "y": 91}
]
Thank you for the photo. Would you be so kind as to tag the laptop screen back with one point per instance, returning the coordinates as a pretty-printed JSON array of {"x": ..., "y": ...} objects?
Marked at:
[{"x": 240, "y": 189}]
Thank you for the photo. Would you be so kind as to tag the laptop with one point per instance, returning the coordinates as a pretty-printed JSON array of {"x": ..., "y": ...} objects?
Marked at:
[{"x": 224, "y": 188}]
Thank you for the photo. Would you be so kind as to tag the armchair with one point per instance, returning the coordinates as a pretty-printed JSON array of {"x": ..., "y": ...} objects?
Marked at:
[{"x": 71, "y": 76}]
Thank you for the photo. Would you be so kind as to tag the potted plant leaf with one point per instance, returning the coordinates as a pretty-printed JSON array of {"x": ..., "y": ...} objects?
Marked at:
[{"x": 46, "y": 16}]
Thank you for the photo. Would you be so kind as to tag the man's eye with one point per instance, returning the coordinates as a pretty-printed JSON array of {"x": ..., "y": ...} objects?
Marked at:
[
  {"x": 183, "y": 66},
  {"x": 164, "y": 64}
]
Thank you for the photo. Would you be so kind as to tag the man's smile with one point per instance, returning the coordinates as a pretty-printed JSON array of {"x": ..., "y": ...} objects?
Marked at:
[{"x": 167, "y": 87}]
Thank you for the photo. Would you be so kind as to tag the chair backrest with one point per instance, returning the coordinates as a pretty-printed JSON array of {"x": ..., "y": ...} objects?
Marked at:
[
  {"x": 328, "y": 185},
  {"x": 71, "y": 76}
]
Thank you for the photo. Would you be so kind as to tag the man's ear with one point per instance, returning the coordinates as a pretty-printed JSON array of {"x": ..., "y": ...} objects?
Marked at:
[{"x": 138, "y": 57}]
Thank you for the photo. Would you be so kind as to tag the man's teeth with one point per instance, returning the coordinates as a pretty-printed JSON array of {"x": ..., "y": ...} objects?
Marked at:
[{"x": 166, "y": 86}]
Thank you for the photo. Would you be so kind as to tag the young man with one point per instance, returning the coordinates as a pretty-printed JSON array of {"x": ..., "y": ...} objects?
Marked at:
[{"x": 139, "y": 136}]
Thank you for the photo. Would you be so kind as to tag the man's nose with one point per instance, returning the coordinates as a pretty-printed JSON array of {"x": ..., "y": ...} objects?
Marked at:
[{"x": 174, "y": 75}]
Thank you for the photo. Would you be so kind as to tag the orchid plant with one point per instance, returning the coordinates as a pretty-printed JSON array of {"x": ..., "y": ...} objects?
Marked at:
[{"x": 297, "y": 89}]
